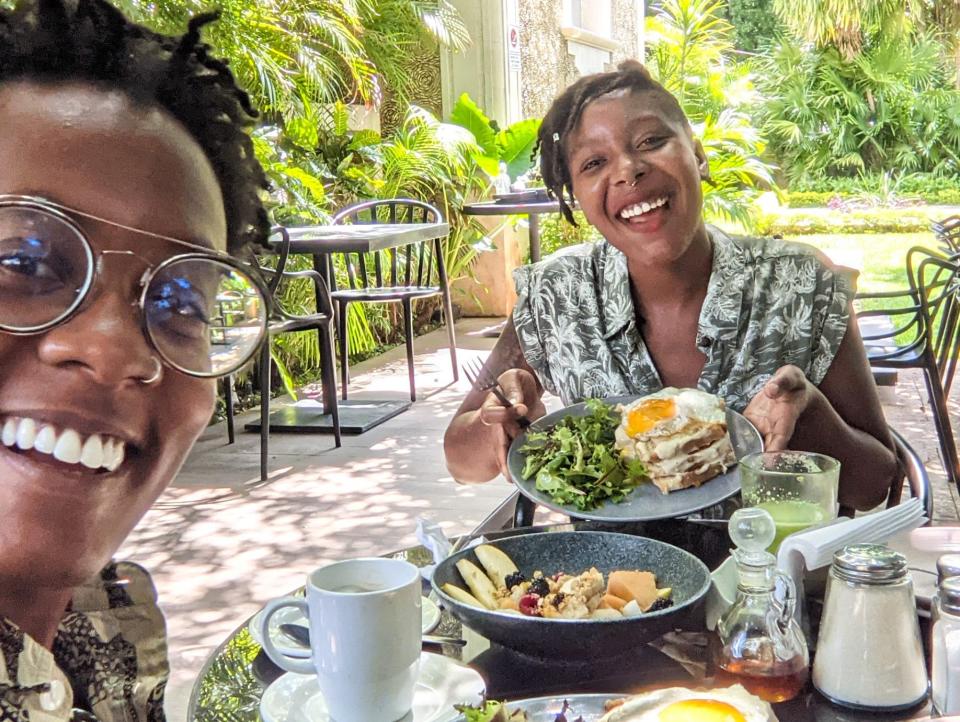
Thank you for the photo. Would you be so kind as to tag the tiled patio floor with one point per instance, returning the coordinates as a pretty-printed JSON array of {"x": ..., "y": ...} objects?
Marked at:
[{"x": 220, "y": 543}]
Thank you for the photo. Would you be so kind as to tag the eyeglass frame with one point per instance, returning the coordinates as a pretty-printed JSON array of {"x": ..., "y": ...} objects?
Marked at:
[{"x": 94, "y": 270}]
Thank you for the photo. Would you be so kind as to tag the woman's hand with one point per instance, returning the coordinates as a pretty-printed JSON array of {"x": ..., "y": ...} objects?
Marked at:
[
  {"x": 778, "y": 405},
  {"x": 521, "y": 387}
]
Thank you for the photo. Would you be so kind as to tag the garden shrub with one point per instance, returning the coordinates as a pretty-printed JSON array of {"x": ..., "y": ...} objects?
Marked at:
[{"x": 878, "y": 220}]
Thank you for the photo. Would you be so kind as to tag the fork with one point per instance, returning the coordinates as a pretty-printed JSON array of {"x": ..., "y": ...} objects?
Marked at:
[{"x": 482, "y": 380}]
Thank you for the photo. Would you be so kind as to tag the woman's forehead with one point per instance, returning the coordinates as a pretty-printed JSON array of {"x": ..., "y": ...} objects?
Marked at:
[
  {"x": 97, "y": 151},
  {"x": 624, "y": 109}
]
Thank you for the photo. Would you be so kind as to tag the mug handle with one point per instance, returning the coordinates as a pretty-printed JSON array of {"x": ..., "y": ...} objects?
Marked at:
[{"x": 280, "y": 656}]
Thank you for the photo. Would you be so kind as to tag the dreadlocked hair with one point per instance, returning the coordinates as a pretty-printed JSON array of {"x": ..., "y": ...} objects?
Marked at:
[
  {"x": 565, "y": 113},
  {"x": 90, "y": 40}
]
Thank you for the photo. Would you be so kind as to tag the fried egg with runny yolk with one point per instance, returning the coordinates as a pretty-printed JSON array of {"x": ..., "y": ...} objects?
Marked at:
[
  {"x": 669, "y": 410},
  {"x": 677, "y": 704}
]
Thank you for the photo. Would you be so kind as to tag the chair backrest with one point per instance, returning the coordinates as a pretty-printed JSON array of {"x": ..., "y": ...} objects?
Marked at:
[
  {"x": 412, "y": 265},
  {"x": 947, "y": 232},
  {"x": 937, "y": 280},
  {"x": 276, "y": 273},
  {"x": 916, "y": 475}
]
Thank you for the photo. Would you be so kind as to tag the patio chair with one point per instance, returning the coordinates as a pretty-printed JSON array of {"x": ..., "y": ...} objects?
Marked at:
[
  {"x": 947, "y": 232},
  {"x": 928, "y": 316},
  {"x": 398, "y": 275},
  {"x": 282, "y": 322}
]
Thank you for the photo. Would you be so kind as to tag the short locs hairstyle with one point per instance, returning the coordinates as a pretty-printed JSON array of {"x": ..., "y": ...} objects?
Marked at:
[
  {"x": 564, "y": 115},
  {"x": 54, "y": 41}
]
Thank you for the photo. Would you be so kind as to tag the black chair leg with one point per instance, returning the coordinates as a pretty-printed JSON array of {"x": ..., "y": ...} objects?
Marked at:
[
  {"x": 941, "y": 420},
  {"x": 451, "y": 333},
  {"x": 328, "y": 370},
  {"x": 228, "y": 399},
  {"x": 524, "y": 512},
  {"x": 344, "y": 349},
  {"x": 264, "y": 410},
  {"x": 447, "y": 307},
  {"x": 408, "y": 332}
]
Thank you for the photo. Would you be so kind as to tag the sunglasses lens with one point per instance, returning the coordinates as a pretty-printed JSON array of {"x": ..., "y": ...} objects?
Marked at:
[
  {"x": 204, "y": 316},
  {"x": 45, "y": 268}
]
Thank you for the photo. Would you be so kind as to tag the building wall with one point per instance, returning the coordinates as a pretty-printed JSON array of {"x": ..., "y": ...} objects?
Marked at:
[{"x": 547, "y": 65}]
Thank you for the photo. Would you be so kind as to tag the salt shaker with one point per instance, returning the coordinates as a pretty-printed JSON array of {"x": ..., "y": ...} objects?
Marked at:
[
  {"x": 945, "y": 636},
  {"x": 869, "y": 654}
]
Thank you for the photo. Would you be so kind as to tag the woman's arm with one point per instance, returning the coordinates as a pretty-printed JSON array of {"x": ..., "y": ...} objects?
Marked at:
[
  {"x": 477, "y": 439},
  {"x": 842, "y": 418}
]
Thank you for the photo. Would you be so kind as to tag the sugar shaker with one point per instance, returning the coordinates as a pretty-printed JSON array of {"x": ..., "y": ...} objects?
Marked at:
[
  {"x": 869, "y": 654},
  {"x": 945, "y": 636}
]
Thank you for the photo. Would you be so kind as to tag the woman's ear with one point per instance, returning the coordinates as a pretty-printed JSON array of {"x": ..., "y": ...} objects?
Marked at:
[{"x": 703, "y": 165}]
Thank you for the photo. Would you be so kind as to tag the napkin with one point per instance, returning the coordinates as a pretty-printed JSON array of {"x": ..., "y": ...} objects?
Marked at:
[
  {"x": 430, "y": 534},
  {"x": 814, "y": 548}
]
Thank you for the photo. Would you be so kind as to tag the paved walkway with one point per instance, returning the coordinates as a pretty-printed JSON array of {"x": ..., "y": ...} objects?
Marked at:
[{"x": 220, "y": 543}]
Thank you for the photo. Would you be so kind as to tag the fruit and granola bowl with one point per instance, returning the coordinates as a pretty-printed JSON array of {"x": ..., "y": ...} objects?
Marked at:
[{"x": 577, "y": 594}]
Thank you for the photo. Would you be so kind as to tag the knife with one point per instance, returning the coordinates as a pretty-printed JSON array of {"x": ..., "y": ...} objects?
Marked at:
[{"x": 301, "y": 635}]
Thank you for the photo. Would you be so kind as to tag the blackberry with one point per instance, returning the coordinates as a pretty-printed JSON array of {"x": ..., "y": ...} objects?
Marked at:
[
  {"x": 539, "y": 586},
  {"x": 660, "y": 604},
  {"x": 512, "y": 580}
]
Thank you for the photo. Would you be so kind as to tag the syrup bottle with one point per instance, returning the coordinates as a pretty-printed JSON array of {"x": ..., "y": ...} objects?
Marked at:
[{"x": 761, "y": 646}]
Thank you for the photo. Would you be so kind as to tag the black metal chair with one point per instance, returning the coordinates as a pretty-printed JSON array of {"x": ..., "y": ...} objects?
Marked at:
[
  {"x": 928, "y": 315},
  {"x": 282, "y": 322},
  {"x": 398, "y": 275},
  {"x": 947, "y": 232}
]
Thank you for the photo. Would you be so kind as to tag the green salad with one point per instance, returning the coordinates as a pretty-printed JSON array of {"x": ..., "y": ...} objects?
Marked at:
[
  {"x": 575, "y": 461},
  {"x": 489, "y": 711}
]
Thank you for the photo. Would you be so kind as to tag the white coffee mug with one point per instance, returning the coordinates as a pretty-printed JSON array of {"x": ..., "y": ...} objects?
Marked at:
[{"x": 364, "y": 637}]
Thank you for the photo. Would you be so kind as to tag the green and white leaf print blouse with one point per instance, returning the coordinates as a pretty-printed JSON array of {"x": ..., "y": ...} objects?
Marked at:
[{"x": 768, "y": 303}]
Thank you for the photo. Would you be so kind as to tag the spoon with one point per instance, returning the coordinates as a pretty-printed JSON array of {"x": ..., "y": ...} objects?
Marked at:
[{"x": 301, "y": 635}]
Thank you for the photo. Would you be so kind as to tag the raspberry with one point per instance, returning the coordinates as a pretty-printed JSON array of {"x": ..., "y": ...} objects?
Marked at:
[{"x": 530, "y": 605}]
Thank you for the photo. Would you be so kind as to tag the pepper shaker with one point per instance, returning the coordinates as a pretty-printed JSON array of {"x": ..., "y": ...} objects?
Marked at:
[
  {"x": 945, "y": 637},
  {"x": 869, "y": 654}
]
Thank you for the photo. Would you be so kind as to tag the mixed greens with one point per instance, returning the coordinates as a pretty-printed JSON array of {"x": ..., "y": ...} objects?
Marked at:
[
  {"x": 489, "y": 711},
  {"x": 575, "y": 461}
]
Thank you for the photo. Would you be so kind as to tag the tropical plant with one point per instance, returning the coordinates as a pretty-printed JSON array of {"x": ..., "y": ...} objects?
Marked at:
[
  {"x": 891, "y": 108},
  {"x": 849, "y": 26},
  {"x": 755, "y": 23},
  {"x": 513, "y": 145},
  {"x": 690, "y": 52}
]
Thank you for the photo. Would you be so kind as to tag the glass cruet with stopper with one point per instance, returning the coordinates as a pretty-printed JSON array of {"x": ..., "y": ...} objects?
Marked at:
[{"x": 760, "y": 644}]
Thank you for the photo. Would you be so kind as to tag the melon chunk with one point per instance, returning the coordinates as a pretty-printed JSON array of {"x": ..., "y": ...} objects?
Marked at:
[
  {"x": 636, "y": 585},
  {"x": 612, "y": 601}
]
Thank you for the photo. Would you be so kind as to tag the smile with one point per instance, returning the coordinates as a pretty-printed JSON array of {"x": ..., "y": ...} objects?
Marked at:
[
  {"x": 638, "y": 209},
  {"x": 96, "y": 451}
]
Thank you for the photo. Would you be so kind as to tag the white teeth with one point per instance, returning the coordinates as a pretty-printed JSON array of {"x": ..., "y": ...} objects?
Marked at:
[
  {"x": 639, "y": 209},
  {"x": 9, "y": 434},
  {"x": 46, "y": 440},
  {"x": 26, "y": 434},
  {"x": 91, "y": 456},
  {"x": 69, "y": 446}
]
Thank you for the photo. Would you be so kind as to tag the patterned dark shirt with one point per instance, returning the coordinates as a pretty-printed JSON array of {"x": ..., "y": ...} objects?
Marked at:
[
  {"x": 768, "y": 303},
  {"x": 109, "y": 657}
]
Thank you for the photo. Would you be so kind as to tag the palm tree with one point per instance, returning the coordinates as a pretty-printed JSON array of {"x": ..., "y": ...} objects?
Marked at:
[{"x": 847, "y": 24}]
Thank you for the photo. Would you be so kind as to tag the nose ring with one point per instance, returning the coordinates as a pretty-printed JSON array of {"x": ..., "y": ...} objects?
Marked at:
[{"x": 156, "y": 374}]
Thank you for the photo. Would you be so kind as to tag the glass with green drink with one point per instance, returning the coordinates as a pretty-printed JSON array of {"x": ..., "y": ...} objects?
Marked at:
[{"x": 797, "y": 488}]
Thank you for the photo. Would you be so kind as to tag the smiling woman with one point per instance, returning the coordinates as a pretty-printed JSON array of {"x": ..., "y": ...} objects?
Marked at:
[
  {"x": 127, "y": 186},
  {"x": 665, "y": 300}
]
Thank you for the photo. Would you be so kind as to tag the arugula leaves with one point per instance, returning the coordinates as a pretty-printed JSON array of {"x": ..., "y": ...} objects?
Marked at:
[
  {"x": 489, "y": 711},
  {"x": 576, "y": 463}
]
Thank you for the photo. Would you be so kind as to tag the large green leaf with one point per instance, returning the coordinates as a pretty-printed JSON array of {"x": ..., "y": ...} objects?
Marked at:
[
  {"x": 468, "y": 114},
  {"x": 515, "y": 146}
]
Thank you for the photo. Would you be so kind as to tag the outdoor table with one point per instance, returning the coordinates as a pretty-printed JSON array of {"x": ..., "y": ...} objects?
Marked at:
[
  {"x": 321, "y": 242},
  {"x": 236, "y": 674},
  {"x": 532, "y": 210}
]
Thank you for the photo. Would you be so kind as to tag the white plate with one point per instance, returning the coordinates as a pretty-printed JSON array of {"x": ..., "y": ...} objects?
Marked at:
[
  {"x": 429, "y": 616},
  {"x": 442, "y": 683}
]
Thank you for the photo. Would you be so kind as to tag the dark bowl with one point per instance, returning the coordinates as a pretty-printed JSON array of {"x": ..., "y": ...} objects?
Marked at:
[{"x": 575, "y": 552}]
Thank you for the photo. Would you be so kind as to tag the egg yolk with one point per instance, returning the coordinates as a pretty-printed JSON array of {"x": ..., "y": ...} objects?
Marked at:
[
  {"x": 701, "y": 710},
  {"x": 649, "y": 414}
]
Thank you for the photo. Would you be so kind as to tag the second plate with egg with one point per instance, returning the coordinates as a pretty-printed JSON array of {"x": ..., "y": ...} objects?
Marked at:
[{"x": 646, "y": 502}]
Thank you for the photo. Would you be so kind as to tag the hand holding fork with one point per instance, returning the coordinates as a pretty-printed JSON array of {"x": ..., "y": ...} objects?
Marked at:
[{"x": 484, "y": 381}]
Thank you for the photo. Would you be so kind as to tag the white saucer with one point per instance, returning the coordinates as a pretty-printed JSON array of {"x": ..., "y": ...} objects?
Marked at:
[
  {"x": 442, "y": 683},
  {"x": 922, "y": 547},
  {"x": 429, "y": 619}
]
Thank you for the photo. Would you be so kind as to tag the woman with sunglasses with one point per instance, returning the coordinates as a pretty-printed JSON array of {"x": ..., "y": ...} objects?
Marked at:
[
  {"x": 666, "y": 300},
  {"x": 128, "y": 188}
]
